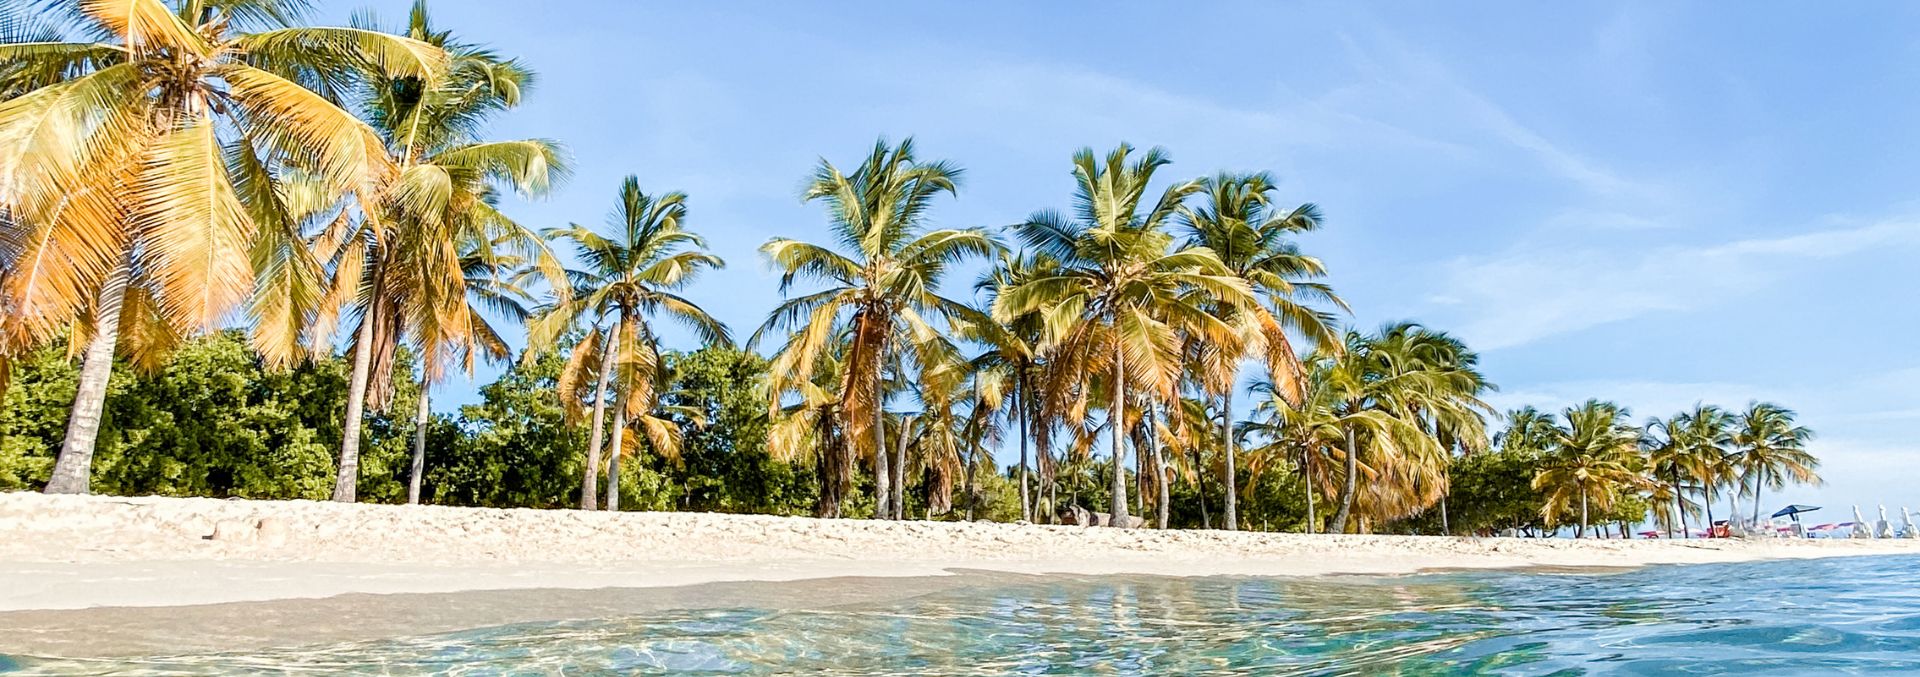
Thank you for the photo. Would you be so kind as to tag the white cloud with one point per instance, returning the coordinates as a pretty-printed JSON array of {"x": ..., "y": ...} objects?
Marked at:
[{"x": 1536, "y": 292}]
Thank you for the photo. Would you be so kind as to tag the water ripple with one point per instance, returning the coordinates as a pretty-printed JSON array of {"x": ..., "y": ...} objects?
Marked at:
[{"x": 1843, "y": 615}]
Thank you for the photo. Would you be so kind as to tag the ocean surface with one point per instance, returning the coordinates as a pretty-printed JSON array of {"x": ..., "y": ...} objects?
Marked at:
[{"x": 1853, "y": 615}]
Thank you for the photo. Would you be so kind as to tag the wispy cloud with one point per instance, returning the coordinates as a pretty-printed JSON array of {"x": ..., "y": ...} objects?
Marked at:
[
  {"x": 1532, "y": 293},
  {"x": 1438, "y": 92}
]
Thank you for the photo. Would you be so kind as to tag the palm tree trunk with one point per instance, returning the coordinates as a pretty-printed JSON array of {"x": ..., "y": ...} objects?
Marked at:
[
  {"x": 1165, "y": 493},
  {"x": 900, "y": 469},
  {"x": 1582, "y": 487},
  {"x": 616, "y": 444},
  {"x": 1706, "y": 500},
  {"x": 73, "y": 470},
  {"x": 1232, "y": 470},
  {"x": 1117, "y": 426},
  {"x": 1200, "y": 480},
  {"x": 882, "y": 475},
  {"x": 347, "y": 477},
  {"x": 1349, "y": 487},
  {"x": 1445, "y": 529},
  {"x": 1020, "y": 410},
  {"x": 590, "y": 479},
  {"x": 1680, "y": 507},
  {"x": 973, "y": 463},
  {"x": 420, "y": 419},
  {"x": 1306, "y": 481},
  {"x": 1756, "y": 500}
]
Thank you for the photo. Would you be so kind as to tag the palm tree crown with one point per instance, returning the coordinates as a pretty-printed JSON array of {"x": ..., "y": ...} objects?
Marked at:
[
  {"x": 144, "y": 163},
  {"x": 1595, "y": 457},
  {"x": 883, "y": 287},
  {"x": 1769, "y": 451},
  {"x": 1122, "y": 294},
  {"x": 629, "y": 278}
]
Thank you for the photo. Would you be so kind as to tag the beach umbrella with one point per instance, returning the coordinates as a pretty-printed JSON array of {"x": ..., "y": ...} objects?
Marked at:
[{"x": 1794, "y": 511}]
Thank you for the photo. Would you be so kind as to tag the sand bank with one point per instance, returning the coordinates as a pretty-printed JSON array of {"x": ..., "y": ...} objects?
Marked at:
[{"x": 70, "y": 552}]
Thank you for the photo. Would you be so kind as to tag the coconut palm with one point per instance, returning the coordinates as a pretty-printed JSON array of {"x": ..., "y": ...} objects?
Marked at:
[
  {"x": 1449, "y": 405},
  {"x": 1014, "y": 356},
  {"x": 806, "y": 430},
  {"x": 1528, "y": 430},
  {"x": 1769, "y": 451},
  {"x": 1239, "y": 222},
  {"x": 629, "y": 280},
  {"x": 140, "y": 178},
  {"x": 882, "y": 288},
  {"x": 402, "y": 273},
  {"x": 1399, "y": 452},
  {"x": 1122, "y": 294},
  {"x": 1706, "y": 434},
  {"x": 1669, "y": 459},
  {"x": 1595, "y": 458},
  {"x": 495, "y": 281}
]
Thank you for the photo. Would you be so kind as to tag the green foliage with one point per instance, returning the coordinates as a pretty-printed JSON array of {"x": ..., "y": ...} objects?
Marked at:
[
  {"x": 724, "y": 463},
  {"x": 212, "y": 422},
  {"x": 1493, "y": 491},
  {"x": 514, "y": 448}
]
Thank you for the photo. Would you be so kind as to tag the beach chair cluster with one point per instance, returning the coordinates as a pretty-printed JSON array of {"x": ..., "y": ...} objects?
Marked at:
[{"x": 1860, "y": 527}]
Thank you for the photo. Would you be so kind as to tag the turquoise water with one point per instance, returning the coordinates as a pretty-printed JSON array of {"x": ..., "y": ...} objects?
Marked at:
[{"x": 1859, "y": 615}]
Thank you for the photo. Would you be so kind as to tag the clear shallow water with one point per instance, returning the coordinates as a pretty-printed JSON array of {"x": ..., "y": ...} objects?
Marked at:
[{"x": 1825, "y": 616}]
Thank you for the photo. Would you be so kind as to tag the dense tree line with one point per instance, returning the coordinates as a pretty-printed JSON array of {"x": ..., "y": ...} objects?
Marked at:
[{"x": 216, "y": 421}]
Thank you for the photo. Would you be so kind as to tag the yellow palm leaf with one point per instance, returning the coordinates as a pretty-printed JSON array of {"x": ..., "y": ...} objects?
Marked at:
[
  {"x": 393, "y": 55},
  {"x": 64, "y": 153},
  {"x": 288, "y": 282},
  {"x": 146, "y": 25},
  {"x": 58, "y": 140},
  {"x": 349, "y": 276},
  {"x": 194, "y": 231},
  {"x": 319, "y": 137},
  {"x": 146, "y": 337}
]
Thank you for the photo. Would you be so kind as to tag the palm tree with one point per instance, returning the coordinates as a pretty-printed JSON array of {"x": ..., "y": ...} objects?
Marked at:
[
  {"x": 1595, "y": 457},
  {"x": 628, "y": 280},
  {"x": 1014, "y": 354},
  {"x": 1769, "y": 451},
  {"x": 403, "y": 270},
  {"x": 144, "y": 159},
  {"x": 494, "y": 280},
  {"x": 1121, "y": 295},
  {"x": 1449, "y": 406},
  {"x": 807, "y": 430},
  {"x": 882, "y": 288},
  {"x": 1705, "y": 433},
  {"x": 1528, "y": 430},
  {"x": 1381, "y": 381},
  {"x": 1239, "y": 222},
  {"x": 1669, "y": 458}
]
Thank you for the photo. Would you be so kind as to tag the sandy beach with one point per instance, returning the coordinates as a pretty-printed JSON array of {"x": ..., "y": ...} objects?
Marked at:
[{"x": 73, "y": 552}]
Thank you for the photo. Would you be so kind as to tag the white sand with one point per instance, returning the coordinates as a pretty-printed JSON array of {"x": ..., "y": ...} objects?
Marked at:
[{"x": 65, "y": 552}]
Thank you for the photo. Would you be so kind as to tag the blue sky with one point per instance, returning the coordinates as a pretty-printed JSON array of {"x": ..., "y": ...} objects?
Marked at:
[{"x": 1655, "y": 203}]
